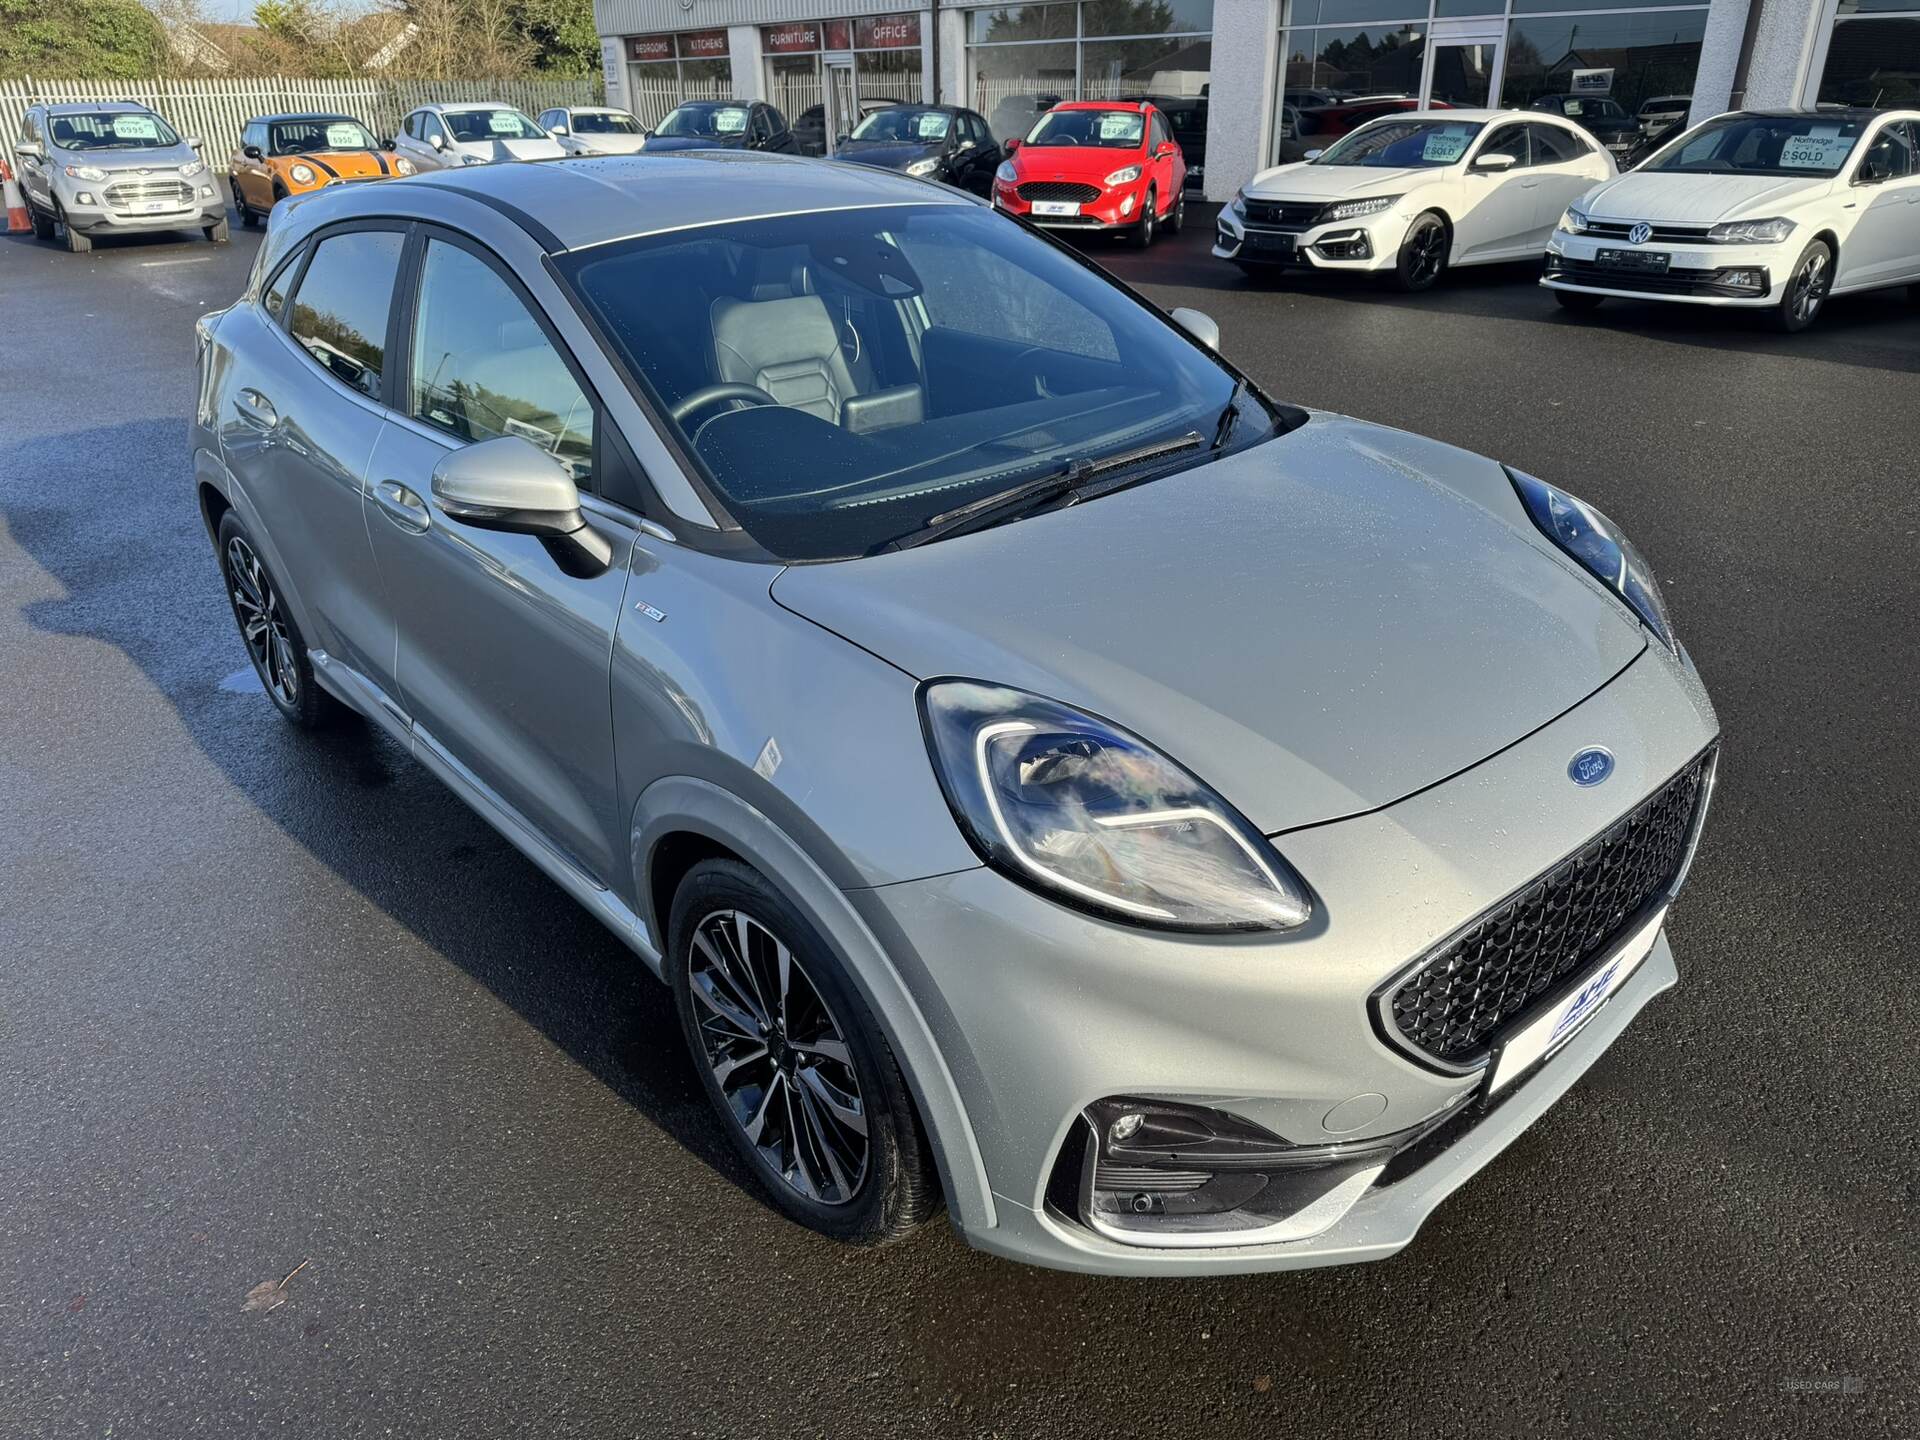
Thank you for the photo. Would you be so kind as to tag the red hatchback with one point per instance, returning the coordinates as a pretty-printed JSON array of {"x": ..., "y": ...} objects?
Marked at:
[{"x": 1097, "y": 165}]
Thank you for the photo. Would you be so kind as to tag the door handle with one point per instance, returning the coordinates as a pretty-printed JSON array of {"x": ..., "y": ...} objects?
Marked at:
[
  {"x": 402, "y": 506},
  {"x": 256, "y": 409}
]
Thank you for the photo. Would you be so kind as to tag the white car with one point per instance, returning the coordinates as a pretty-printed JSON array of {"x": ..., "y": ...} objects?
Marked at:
[
  {"x": 446, "y": 137},
  {"x": 594, "y": 130},
  {"x": 1767, "y": 210},
  {"x": 1411, "y": 194}
]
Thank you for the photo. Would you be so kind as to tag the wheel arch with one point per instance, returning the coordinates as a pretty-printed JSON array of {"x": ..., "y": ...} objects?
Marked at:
[{"x": 680, "y": 820}]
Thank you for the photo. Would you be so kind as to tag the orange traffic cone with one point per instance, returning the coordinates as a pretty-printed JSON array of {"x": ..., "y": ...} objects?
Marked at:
[{"x": 16, "y": 206}]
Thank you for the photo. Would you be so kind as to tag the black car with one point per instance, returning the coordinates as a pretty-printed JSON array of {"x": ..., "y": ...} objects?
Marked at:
[
  {"x": 1187, "y": 117},
  {"x": 723, "y": 125},
  {"x": 810, "y": 125},
  {"x": 1599, "y": 115},
  {"x": 933, "y": 142}
]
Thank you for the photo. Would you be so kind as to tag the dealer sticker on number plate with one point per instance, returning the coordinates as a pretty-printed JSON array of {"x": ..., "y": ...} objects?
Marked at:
[
  {"x": 1055, "y": 207},
  {"x": 1530, "y": 1046}
]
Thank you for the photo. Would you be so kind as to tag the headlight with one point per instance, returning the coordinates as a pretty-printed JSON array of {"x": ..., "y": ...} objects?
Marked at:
[
  {"x": 1239, "y": 203},
  {"x": 1596, "y": 542},
  {"x": 402, "y": 165},
  {"x": 473, "y": 159},
  {"x": 1573, "y": 222},
  {"x": 302, "y": 174},
  {"x": 1354, "y": 209},
  {"x": 1124, "y": 176},
  {"x": 192, "y": 168},
  {"x": 923, "y": 167},
  {"x": 87, "y": 172},
  {"x": 1093, "y": 816},
  {"x": 1006, "y": 174},
  {"x": 1752, "y": 232}
]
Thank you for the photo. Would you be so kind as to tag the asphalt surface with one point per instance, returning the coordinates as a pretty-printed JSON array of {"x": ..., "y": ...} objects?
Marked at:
[{"x": 267, "y": 1001}]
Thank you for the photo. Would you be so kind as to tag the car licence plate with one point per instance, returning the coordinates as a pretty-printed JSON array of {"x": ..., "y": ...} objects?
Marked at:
[
  {"x": 1523, "y": 1050},
  {"x": 1650, "y": 262},
  {"x": 1056, "y": 207},
  {"x": 1267, "y": 240}
]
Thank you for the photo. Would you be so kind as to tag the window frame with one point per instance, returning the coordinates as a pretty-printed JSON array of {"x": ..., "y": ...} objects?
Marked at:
[
  {"x": 1871, "y": 137},
  {"x": 1497, "y": 128},
  {"x": 612, "y": 472},
  {"x": 303, "y": 256}
]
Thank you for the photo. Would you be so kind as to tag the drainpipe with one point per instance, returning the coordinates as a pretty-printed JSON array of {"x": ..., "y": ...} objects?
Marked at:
[{"x": 934, "y": 19}]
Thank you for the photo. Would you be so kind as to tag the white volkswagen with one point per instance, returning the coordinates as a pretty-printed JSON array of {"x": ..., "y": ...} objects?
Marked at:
[
  {"x": 1772, "y": 210},
  {"x": 1412, "y": 194}
]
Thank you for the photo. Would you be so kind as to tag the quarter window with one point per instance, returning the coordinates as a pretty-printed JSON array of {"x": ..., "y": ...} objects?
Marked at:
[
  {"x": 1554, "y": 146},
  {"x": 483, "y": 367},
  {"x": 340, "y": 313}
]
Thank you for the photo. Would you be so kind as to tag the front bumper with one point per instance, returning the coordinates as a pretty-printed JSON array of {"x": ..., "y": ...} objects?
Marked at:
[
  {"x": 1694, "y": 275},
  {"x": 1117, "y": 209},
  {"x": 207, "y": 206},
  {"x": 1369, "y": 243},
  {"x": 1041, "y": 1011}
]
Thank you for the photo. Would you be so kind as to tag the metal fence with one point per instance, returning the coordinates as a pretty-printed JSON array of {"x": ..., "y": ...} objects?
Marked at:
[{"x": 215, "y": 110}]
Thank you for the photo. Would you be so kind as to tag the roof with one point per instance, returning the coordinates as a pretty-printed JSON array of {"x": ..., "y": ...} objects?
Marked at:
[
  {"x": 1099, "y": 104},
  {"x": 300, "y": 115},
  {"x": 589, "y": 200},
  {"x": 1860, "y": 113},
  {"x": 449, "y": 107},
  {"x": 99, "y": 107}
]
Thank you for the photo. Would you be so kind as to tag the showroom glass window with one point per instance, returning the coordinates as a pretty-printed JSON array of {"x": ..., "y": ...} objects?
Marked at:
[
  {"x": 663, "y": 70},
  {"x": 867, "y": 61},
  {"x": 1873, "y": 55},
  {"x": 1022, "y": 59},
  {"x": 1345, "y": 62}
]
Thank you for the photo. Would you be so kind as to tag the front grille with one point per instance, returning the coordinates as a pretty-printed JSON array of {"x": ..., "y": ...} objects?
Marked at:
[
  {"x": 1478, "y": 986},
  {"x": 1672, "y": 234},
  {"x": 1059, "y": 190},
  {"x": 1283, "y": 214},
  {"x": 126, "y": 193},
  {"x": 1672, "y": 282}
]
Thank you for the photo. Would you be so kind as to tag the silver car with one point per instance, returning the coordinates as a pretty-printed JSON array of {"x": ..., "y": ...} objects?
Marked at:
[
  {"x": 110, "y": 167},
  {"x": 1182, "y": 831},
  {"x": 594, "y": 130},
  {"x": 450, "y": 137}
]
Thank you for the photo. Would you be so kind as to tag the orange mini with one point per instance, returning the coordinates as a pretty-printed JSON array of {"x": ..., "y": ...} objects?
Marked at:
[{"x": 283, "y": 155}]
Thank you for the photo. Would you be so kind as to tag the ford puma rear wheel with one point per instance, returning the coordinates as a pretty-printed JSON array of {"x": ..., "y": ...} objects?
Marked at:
[{"x": 273, "y": 640}]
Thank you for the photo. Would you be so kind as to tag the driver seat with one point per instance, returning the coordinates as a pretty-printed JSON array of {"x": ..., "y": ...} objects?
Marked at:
[{"x": 787, "y": 347}]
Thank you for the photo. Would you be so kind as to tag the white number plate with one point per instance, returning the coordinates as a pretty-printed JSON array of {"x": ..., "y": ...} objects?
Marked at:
[
  {"x": 1056, "y": 207},
  {"x": 155, "y": 207},
  {"x": 1530, "y": 1046}
]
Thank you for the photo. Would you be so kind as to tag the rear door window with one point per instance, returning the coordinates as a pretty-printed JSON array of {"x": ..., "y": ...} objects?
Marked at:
[{"x": 340, "y": 312}]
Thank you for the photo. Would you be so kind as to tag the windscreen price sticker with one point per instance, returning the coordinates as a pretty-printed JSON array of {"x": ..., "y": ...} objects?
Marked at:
[
  {"x": 343, "y": 137},
  {"x": 1822, "y": 149},
  {"x": 1444, "y": 147},
  {"x": 1119, "y": 127},
  {"x": 729, "y": 122},
  {"x": 134, "y": 127}
]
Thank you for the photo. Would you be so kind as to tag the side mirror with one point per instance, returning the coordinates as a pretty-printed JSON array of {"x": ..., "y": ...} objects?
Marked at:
[
  {"x": 29, "y": 147},
  {"x": 1163, "y": 152},
  {"x": 439, "y": 142},
  {"x": 1494, "y": 163},
  {"x": 1874, "y": 170},
  {"x": 1197, "y": 323},
  {"x": 194, "y": 142},
  {"x": 1313, "y": 155},
  {"x": 841, "y": 139},
  {"x": 252, "y": 152},
  {"x": 1010, "y": 144},
  {"x": 560, "y": 130},
  {"x": 510, "y": 485}
]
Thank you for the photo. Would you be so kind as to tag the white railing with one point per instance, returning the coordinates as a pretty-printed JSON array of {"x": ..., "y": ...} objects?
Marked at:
[{"x": 215, "y": 110}]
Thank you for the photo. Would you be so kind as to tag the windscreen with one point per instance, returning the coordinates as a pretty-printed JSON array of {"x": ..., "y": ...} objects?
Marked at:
[
  {"x": 483, "y": 125},
  {"x": 705, "y": 122},
  {"x": 844, "y": 377},
  {"x": 1404, "y": 144},
  {"x": 1762, "y": 145},
  {"x": 602, "y": 122},
  {"x": 1108, "y": 129},
  {"x": 320, "y": 136},
  {"x": 111, "y": 131},
  {"x": 916, "y": 127}
]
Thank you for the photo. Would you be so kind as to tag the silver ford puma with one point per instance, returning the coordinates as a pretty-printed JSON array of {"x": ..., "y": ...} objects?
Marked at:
[{"x": 1181, "y": 831}]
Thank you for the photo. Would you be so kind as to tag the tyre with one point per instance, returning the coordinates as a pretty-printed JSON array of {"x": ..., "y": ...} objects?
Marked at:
[
  {"x": 267, "y": 629},
  {"x": 1143, "y": 233},
  {"x": 1805, "y": 292},
  {"x": 247, "y": 216},
  {"x": 219, "y": 234},
  {"x": 1177, "y": 217},
  {"x": 43, "y": 224},
  {"x": 805, "y": 1086},
  {"x": 77, "y": 244},
  {"x": 1578, "y": 301},
  {"x": 1423, "y": 254}
]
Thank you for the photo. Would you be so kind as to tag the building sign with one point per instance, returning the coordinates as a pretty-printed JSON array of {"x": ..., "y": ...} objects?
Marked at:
[
  {"x": 839, "y": 35},
  {"x": 887, "y": 32},
  {"x": 790, "y": 39},
  {"x": 649, "y": 47},
  {"x": 703, "y": 44},
  {"x": 1591, "y": 82}
]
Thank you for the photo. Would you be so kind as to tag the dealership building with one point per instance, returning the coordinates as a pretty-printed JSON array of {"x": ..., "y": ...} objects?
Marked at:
[{"x": 1236, "y": 77}]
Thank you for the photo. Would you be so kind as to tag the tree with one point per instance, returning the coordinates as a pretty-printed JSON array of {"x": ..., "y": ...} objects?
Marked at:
[{"x": 109, "y": 39}]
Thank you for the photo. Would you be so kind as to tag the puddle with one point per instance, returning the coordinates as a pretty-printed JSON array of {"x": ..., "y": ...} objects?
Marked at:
[{"x": 245, "y": 681}]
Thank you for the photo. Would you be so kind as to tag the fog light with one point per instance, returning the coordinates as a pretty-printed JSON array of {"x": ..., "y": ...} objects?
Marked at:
[
  {"x": 85, "y": 197},
  {"x": 1744, "y": 279},
  {"x": 206, "y": 192},
  {"x": 1126, "y": 206},
  {"x": 1125, "y": 1128}
]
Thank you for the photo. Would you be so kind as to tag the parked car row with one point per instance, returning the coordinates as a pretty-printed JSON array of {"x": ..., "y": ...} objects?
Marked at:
[{"x": 1768, "y": 210}]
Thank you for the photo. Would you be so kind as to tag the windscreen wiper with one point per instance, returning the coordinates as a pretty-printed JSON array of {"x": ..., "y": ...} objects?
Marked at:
[
  {"x": 1060, "y": 481},
  {"x": 1224, "y": 426}
]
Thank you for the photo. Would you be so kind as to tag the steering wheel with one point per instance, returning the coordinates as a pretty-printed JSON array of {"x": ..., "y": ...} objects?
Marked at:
[{"x": 713, "y": 394}]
